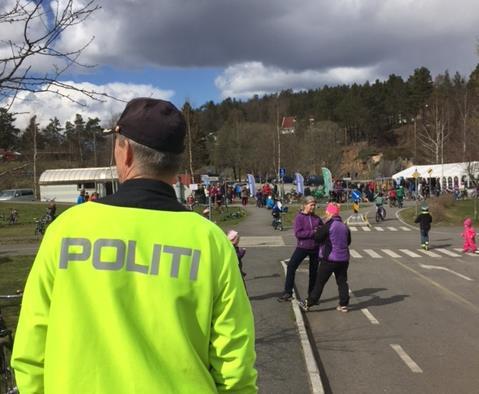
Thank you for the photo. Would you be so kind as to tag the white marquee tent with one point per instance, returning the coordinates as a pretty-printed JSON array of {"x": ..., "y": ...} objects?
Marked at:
[{"x": 452, "y": 174}]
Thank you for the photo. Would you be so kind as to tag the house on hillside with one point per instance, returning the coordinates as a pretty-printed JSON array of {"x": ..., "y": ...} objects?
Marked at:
[{"x": 8, "y": 155}]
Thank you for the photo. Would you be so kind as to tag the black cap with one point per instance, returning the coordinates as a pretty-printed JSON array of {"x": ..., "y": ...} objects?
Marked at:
[{"x": 157, "y": 124}]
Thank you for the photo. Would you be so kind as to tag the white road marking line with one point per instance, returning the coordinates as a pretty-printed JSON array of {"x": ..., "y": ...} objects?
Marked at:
[
  {"x": 262, "y": 241},
  {"x": 409, "y": 253},
  {"x": 369, "y": 316},
  {"x": 366, "y": 228},
  {"x": 355, "y": 254},
  {"x": 405, "y": 228},
  {"x": 353, "y": 228},
  {"x": 372, "y": 253},
  {"x": 407, "y": 360},
  {"x": 429, "y": 253},
  {"x": 448, "y": 252},
  {"x": 466, "y": 254},
  {"x": 379, "y": 228},
  {"x": 445, "y": 290},
  {"x": 435, "y": 267},
  {"x": 311, "y": 366},
  {"x": 389, "y": 252},
  {"x": 392, "y": 229}
]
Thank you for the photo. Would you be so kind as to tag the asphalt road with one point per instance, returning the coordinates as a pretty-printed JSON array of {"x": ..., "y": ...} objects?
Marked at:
[{"x": 412, "y": 327}]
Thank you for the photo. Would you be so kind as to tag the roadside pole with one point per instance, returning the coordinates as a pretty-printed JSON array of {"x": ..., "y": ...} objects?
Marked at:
[
  {"x": 416, "y": 175},
  {"x": 348, "y": 179}
]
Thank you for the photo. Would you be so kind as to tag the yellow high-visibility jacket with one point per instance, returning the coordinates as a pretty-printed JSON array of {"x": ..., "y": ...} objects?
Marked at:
[{"x": 129, "y": 300}]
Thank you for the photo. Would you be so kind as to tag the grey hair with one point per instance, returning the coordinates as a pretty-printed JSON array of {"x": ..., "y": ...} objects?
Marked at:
[
  {"x": 308, "y": 199},
  {"x": 152, "y": 162}
]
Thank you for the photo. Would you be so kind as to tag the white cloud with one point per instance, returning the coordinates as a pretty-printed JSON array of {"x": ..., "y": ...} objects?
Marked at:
[
  {"x": 246, "y": 79},
  {"x": 48, "y": 105},
  {"x": 270, "y": 45}
]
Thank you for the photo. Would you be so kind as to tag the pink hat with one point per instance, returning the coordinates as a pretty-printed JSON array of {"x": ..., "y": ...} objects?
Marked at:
[
  {"x": 333, "y": 209},
  {"x": 233, "y": 236}
]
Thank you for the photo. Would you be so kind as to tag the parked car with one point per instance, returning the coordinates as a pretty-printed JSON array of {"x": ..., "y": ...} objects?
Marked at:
[{"x": 17, "y": 194}]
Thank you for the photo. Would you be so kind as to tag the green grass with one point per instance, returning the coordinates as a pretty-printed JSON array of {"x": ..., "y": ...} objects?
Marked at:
[
  {"x": 224, "y": 217},
  {"x": 444, "y": 211},
  {"x": 24, "y": 229},
  {"x": 13, "y": 275}
]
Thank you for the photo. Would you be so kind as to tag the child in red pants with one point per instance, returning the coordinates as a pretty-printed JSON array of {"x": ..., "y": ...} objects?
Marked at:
[{"x": 469, "y": 236}]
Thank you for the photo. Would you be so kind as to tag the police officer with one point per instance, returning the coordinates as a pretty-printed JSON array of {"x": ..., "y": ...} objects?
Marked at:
[{"x": 134, "y": 293}]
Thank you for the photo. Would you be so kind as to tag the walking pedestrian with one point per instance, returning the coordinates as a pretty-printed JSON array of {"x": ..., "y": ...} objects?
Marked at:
[
  {"x": 469, "y": 236},
  {"x": 334, "y": 238},
  {"x": 134, "y": 293},
  {"x": 244, "y": 196},
  {"x": 424, "y": 219},
  {"x": 305, "y": 225}
]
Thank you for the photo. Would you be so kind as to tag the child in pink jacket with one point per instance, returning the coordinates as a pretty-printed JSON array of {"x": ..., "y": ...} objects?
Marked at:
[{"x": 469, "y": 236}]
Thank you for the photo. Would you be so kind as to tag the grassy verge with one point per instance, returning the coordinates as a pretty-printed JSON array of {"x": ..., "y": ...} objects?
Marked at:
[
  {"x": 24, "y": 229},
  {"x": 13, "y": 275},
  {"x": 444, "y": 211},
  {"x": 224, "y": 217}
]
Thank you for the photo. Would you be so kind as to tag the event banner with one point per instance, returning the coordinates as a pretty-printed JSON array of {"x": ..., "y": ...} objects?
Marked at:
[
  {"x": 299, "y": 183},
  {"x": 251, "y": 185},
  {"x": 328, "y": 180}
]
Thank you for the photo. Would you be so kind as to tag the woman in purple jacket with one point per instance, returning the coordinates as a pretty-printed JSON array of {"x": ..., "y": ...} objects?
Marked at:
[
  {"x": 305, "y": 225},
  {"x": 334, "y": 239}
]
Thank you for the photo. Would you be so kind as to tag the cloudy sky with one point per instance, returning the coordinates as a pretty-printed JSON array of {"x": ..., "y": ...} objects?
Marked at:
[{"x": 200, "y": 50}]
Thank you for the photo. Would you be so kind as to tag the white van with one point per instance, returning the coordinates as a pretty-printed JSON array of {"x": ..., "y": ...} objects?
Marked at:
[{"x": 17, "y": 194}]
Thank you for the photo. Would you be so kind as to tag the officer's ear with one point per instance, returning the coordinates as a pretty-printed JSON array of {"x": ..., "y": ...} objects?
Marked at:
[{"x": 128, "y": 153}]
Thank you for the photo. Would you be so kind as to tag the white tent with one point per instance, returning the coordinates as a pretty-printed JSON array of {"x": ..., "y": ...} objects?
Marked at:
[{"x": 451, "y": 173}]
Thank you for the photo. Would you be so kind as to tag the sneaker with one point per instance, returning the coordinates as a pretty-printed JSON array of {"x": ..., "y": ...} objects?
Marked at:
[
  {"x": 304, "y": 305},
  {"x": 342, "y": 308},
  {"x": 285, "y": 297}
]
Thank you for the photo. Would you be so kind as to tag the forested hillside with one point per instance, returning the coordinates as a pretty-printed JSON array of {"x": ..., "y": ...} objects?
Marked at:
[{"x": 421, "y": 120}]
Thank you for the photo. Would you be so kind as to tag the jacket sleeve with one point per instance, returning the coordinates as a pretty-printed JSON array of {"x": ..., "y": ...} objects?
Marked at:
[
  {"x": 322, "y": 233},
  {"x": 232, "y": 347},
  {"x": 300, "y": 231},
  {"x": 418, "y": 219},
  {"x": 29, "y": 346}
]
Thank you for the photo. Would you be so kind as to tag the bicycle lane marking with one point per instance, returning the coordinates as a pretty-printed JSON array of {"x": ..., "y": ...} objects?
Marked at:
[
  {"x": 311, "y": 365},
  {"x": 441, "y": 288},
  {"x": 436, "y": 267}
]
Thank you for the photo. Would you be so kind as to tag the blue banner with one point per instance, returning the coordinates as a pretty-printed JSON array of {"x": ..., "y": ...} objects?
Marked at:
[
  {"x": 252, "y": 185},
  {"x": 299, "y": 183}
]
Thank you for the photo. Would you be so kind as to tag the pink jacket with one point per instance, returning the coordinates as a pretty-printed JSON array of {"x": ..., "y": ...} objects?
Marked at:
[{"x": 469, "y": 234}]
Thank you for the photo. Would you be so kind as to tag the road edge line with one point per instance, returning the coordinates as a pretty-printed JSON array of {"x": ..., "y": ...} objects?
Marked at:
[
  {"x": 402, "y": 221},
  {"x": 311, "y": 365}
]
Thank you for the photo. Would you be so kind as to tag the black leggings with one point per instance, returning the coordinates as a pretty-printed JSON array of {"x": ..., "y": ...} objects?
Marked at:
[
  {"x": 296, "y": 259},
  {"x": 326, "y": 269}
]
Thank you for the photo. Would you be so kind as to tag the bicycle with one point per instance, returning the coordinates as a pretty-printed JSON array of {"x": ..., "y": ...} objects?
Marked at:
[
  {"x": 380, "y": 213},
  {"x": 7, "y": 380},
  {"x": 42, "y": 224}
]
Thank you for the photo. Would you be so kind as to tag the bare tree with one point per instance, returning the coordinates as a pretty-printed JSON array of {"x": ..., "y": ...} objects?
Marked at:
[
  {"x": 435, "y": 129},
  {"x": 31, "y": 34}
]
